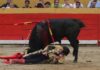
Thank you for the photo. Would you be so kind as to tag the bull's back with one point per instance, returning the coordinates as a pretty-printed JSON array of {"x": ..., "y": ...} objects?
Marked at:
[{"x": 68, "y": 23}]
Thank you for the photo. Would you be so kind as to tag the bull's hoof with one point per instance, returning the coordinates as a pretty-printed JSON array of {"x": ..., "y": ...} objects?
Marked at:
[{"x": 75, "y": 61}]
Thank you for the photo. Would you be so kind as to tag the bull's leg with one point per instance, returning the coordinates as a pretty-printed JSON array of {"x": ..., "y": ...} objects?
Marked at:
[
  {"x": 75, "y": 44},
  {"x": 72, "y": 37}
]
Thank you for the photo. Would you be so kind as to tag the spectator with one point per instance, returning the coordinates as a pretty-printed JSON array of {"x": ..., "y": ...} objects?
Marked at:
[
  {"x": 77, "y": 4},
  {"x": 67, "y": 4},
  {"x": 98, "y": 4},
  {"x": 27, "y": 4},
  {"x": 40, "y": 4},
  {"x": 47, "y": 4},
  {"x": 56, "y": 4},
  {"x": 92, "y": 4},
  {"x": 9, "y": 4},
  {"x": 41, "y": 1}
]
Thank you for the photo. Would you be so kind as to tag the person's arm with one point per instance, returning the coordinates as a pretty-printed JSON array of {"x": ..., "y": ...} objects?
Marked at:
[{"x": 45, "y": 51}]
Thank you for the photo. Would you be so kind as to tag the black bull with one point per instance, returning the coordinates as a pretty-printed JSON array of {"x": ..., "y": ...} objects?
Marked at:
[{"x": 70, "y": 28}]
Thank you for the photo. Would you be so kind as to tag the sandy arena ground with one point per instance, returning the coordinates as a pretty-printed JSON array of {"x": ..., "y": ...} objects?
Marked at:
[{"x": 89, "y": 59}]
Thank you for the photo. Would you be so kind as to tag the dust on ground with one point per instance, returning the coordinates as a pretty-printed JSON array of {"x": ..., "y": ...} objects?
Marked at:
[{"x": 89, "y": 59}]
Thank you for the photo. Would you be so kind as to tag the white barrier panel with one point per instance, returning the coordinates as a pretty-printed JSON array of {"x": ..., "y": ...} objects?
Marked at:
[
  {"x": 63, "y": 42},
  {"x": 81, "y": 42}
]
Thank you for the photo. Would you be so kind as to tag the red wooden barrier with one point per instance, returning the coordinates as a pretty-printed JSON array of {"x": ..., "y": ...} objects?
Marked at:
[{"x": 10, "y": 31}]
